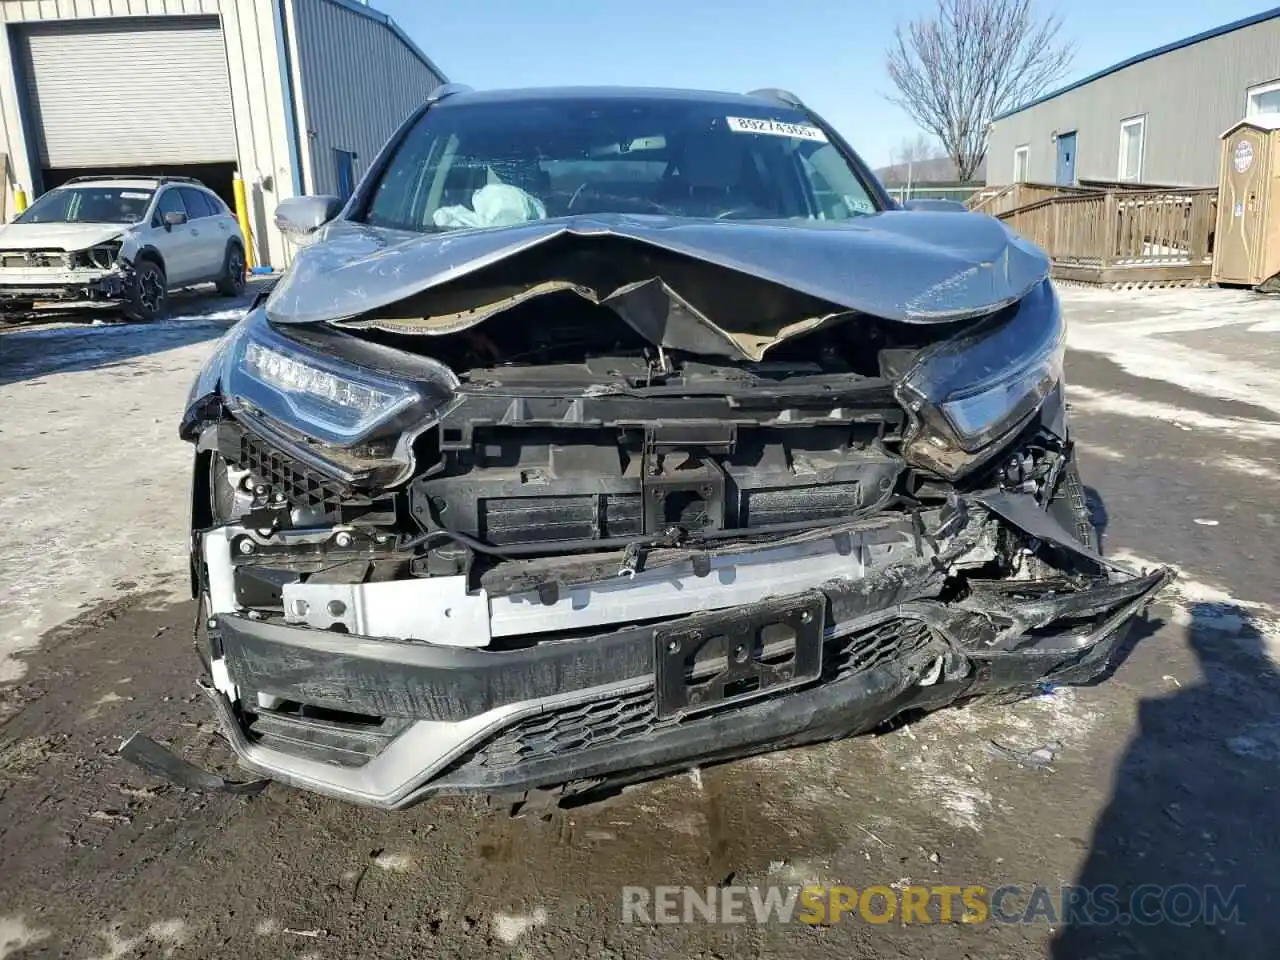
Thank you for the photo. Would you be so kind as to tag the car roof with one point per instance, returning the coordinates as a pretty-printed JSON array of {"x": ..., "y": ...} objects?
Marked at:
[{"x": 543, "y": 94}]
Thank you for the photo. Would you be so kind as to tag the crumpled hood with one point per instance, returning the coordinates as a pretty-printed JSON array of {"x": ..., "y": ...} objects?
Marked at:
[
  {"x": 669, "y": 277},
  {"x": 59, "y": 236}
]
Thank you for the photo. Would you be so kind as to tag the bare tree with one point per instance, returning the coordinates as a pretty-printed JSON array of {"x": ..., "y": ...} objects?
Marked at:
[
  {"x": 970, "y": 60},
  {"x": 911, "y": 152},
  {"x": 916, "y": 149}
]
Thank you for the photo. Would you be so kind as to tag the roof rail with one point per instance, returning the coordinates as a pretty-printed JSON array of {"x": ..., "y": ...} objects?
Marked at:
[
  {"x": 447, "y": 90},
  {"x": 132, "y": 176},
  {"x": 776, "y": 93}
]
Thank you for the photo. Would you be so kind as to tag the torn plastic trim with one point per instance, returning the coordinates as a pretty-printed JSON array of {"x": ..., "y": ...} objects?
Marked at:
[{"x": 160, "y": 761}]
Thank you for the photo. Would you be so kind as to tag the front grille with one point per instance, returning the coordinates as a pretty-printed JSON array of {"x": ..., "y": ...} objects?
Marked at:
[
  {"x": 33, "y": 258},
  {"x": 566, "y": 730},
  {"x": 873, "y": 647},
  {"x": 302, "y": 487},
  {"x": 344, "y": 741},
  {"x": 569, "y": 729},
  {"x": 507, "y": 520},
  {"x": 790, "y": 504}
]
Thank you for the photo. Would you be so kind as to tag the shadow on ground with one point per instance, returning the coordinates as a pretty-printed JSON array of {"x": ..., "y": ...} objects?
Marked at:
[
  {"x": 70, "y": 342},
  {"x": 1181, "y": 862}
]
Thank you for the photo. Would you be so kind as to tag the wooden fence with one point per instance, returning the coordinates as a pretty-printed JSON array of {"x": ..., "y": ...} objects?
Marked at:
[{"x": 1123, "y": 234}]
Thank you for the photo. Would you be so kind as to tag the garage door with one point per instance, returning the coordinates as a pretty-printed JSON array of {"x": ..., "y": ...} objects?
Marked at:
[{"x": 112, "y": 93}]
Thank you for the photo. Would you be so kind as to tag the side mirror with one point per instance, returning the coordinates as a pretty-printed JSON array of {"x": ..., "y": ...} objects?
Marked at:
[
  {"x": 174, "y": 218},
  {"x": 936, "y": 205},
  {"x": 298, "y": 216}
]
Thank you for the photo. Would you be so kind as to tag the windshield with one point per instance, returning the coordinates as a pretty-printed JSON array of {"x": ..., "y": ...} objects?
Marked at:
[
  {"x": 499, "y": 163},
  {"x": 89, "y": 205}
]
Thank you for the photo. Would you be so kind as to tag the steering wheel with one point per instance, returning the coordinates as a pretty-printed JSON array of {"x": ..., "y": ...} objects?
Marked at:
[{"x": 653, "y": 204}]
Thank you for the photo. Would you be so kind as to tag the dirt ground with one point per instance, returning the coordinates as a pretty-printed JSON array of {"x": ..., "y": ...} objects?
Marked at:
[{"x": 1166, "y": 772}]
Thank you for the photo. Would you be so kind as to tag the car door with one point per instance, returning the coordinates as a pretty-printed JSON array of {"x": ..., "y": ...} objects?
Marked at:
[
  {"x": 211, "y": 233},
  {"x": 175, "y": 243}
]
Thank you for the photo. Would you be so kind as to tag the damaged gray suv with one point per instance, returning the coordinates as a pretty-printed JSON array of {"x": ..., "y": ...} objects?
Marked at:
[{"x": 605, "y": 433}]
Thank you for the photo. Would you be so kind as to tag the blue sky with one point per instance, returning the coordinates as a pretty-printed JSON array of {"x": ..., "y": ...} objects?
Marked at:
[{"x": 830, "y": 52}]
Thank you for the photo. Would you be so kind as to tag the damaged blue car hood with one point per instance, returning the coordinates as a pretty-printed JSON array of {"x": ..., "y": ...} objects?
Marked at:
[{"x": 907, "y": 266}]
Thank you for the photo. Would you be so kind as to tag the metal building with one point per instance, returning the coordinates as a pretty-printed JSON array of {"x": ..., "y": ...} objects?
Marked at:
[
  {"x": 295, "y": 95},
  {"x": 1154, "y": 118}
]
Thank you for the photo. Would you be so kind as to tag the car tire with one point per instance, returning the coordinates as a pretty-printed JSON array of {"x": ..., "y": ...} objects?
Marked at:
[
  {"x": 150, "y": 298},
  {"x": 231, "y": 283}
]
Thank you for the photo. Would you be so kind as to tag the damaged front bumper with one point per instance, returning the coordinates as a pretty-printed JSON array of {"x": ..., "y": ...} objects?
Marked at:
[
  {"x": 386, "y": 693},
  {"x": 63, "y": 285}
]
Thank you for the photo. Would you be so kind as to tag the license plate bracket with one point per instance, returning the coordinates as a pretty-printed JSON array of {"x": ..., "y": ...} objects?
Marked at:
[{"x": 713, "y": 660}]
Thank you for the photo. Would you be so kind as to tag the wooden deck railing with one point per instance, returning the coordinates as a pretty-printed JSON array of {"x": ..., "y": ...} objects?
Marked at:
[
  {"x": 1168, "y": 232},
  {"x": 999, "y": 200}
]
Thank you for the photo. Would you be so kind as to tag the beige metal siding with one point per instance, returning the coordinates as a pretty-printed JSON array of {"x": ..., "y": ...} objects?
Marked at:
[
  {"x": 258, "y": 96},
  {"x": 106, "y": 92},
  {"x": 357, "y": 82},
  {"x": 1189, "y": 97}
]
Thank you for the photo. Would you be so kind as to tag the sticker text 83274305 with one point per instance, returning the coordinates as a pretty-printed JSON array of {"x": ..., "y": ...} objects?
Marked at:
[{"x": 776, "y": 128}]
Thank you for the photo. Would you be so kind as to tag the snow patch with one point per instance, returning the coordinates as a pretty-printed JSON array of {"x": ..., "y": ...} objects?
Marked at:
[
  {"x": 1142, "y": 342},
  {"x": 15, "y": 935},
  {"x": 166, "y": 934},
  {"x": 800, "y": 874},
  {"x": 1102, "y": 453},
  {"x": 958, "y": 777},
  {"x": 1211, "y": 607},
  {"x": 1124, "y": 405},
  {"x": 393, "y": 862},
  {"x": 510, "y": 927},
  {"x": 60, "y": 556},
  {"x": 1245, "y": 467},
  {"x": 1259, "y": 742}
]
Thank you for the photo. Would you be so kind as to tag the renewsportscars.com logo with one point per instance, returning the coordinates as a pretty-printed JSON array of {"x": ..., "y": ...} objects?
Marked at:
[{"x": 897, "y": 903}]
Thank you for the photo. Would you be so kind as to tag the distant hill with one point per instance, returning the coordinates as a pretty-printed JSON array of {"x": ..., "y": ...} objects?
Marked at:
[{"x": 941, "y": 170}]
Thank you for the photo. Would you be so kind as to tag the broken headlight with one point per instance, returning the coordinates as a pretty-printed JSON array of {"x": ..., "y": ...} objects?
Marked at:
[
  {"x": 972, "y": 390},
  {"x": 323, "y": 397},
  {"x": 103, "y": 256}
]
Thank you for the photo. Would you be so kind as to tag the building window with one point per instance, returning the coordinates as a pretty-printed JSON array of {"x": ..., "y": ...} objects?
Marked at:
[
  {"x": 1133, "y": 134},
  {"x": 1021, "y": 164},
  {"x": 1263, "y": 99},
  {"x": 344, "y": 168}
]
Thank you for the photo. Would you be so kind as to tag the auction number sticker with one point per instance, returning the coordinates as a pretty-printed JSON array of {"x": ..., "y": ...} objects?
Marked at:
[{"x": 776, "y": 128}]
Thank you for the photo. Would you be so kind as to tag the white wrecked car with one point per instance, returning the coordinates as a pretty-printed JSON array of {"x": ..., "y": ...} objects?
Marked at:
[{"x": 126, "y": 241}]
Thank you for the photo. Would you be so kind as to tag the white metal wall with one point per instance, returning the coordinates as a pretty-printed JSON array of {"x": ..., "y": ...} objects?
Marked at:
[
  {"x": 1189, "y": 96},
  {"x": 258, "y": 95},
  {"x": 358, "y": 81}
]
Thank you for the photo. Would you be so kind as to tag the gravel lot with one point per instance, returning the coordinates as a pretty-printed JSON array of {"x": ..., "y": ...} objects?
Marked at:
[{"x": 1166, "y": 773}]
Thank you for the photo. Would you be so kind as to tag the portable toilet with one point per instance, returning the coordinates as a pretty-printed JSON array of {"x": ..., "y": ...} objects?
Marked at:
[{"x": 1247, "y": 241}]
